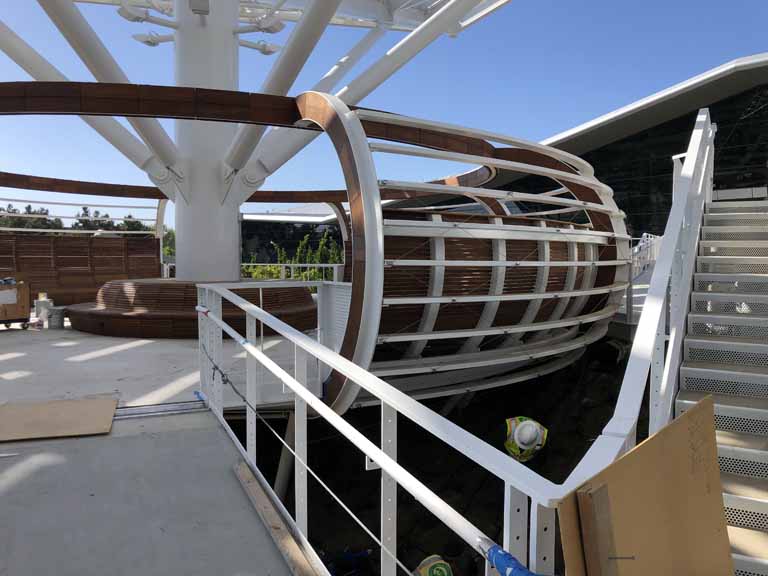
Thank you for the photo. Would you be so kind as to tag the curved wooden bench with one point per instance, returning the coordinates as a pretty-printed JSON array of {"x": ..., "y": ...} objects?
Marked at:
[{"x": 165, "y": 308}]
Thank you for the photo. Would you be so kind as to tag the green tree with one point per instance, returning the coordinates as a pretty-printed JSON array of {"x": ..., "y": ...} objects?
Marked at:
[
  {"x": 169, "y": 245},
  {"x": 8, "y": 220}
]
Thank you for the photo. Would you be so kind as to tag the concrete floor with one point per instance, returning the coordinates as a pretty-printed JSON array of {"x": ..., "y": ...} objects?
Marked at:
[
  {"x": 158, "y": 496},
  {"x": 60, "y": 364}
]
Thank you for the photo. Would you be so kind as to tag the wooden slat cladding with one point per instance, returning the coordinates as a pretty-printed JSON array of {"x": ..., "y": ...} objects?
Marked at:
[
  {"x": 558, "y": 252},
  {"x": 427, "y": 138},
  {"x": 401, "y": 318},
  {"x": 406, "y": 280},
  {"x": 458, "y": 316},
  {"x": 72, "y": 269}
]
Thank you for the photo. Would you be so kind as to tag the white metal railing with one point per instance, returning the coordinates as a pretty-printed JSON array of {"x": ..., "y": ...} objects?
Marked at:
[
  {"x": 284, "y": 271},
  {"x": 644, "y": 253},
  {"x": 645, "y": 250},
  {"x": 520, "y": 482},
  {"x": 669, "y": 290},
  {"x": 529, "y": 499}
]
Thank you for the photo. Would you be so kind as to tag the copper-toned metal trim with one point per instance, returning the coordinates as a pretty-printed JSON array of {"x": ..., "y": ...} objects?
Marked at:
[{"x": 313, "y": 107}]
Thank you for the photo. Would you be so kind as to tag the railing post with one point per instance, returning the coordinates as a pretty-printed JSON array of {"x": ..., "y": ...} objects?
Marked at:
[
  {"x": 516, "y": 523},
  {"x": 202, "y": 341},
  {"x": 282, "y": 272},
  {"x": 388, "y": 491},
  {"x": 300, "y": 442},
  {"x": 215, "y": 341},
  {"x": 542, "y": 545},
  {"x": 657, "y": 371},
  {"x": 251, "y": 367}
]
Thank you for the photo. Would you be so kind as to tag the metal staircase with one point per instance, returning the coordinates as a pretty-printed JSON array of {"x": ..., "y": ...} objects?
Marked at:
[{"x": 725, "y": 353}]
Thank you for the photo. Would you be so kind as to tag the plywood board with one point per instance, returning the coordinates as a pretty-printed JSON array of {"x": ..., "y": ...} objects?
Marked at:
[
  {"x": 297, "y": 562},
  {"x": 58, "y": 418},
  {"x": 656, "y": 510}
]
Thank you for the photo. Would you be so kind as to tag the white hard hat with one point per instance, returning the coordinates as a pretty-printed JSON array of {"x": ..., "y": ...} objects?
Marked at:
[{"x": 527, "y": 434}]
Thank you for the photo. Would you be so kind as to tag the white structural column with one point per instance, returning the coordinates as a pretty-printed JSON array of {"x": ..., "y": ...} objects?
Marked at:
[
  {"x": 84, "y": 40},
  {"x": 112, "y": 131},
  {"x": 304, "y": 37},
  {"x": 287, "y": 144},
  {"x": 208, "y": 229}
]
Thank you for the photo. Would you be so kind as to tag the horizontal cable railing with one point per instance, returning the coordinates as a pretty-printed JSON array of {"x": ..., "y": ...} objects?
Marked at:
[{"x": 286, "y": 271}]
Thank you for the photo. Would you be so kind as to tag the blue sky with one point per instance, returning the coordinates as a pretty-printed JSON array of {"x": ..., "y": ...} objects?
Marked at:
[{"x": 532, "y": 69}]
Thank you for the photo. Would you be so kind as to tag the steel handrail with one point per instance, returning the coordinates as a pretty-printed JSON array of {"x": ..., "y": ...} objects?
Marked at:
[
  {"x": 477, "y": 450},
  {"x": 628, "y": 405}
]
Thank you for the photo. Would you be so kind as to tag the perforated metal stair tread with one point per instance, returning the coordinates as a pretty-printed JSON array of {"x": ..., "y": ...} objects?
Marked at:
[
  {"x": 742, "y": 441},
  {"x": 726, "y": 316},
  {"x": 732, "y": 203},
  {"x": 745, "y": 487},
  {"x": 724, "y": 370},
  {"x": 720, "y": 277},
  {"x": 752, "y": 343},
  {"x": 746, "y": 542},
  {"x": 729, "y": 296},
  {"x": 733, "y": 259},
  {"x": 725, "y": 400},
  {"x": 741, "y": 243}
]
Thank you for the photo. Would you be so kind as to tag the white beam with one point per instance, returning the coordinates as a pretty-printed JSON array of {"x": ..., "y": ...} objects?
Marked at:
[
  {"x": 345, "y": 63},
  {"x": 287, "y": 143},
  {"x": 303, "y": 39},
  {"x": 109, "y": 128},
  {"x": 89, "y": 47}
]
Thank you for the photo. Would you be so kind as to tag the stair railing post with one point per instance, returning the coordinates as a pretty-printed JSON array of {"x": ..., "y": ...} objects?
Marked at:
[
  {"x": 388, "y": 491},
  {"x": 516, "y": 523},
  {"x": 251, "y": 368},
  {"x": 202, "y": 339},
  {"x": 300, "y": 441},
  {"x": 541, "y": 556},
  {"x": 215, "y": 344}
]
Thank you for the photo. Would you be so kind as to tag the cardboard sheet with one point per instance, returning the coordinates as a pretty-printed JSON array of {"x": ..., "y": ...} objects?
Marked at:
[
  {"x": 58, "y": 418},
  {"x": 656, "y": 510}
]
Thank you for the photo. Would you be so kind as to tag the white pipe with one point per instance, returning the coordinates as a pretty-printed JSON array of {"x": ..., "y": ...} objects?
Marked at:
[
  {"x": 160, "y": 223},
  {"x": 285, "y": 144},
  {"x": 335, "y": 74},
  {"x": 40, "y": 69},
  {"x": 304, "y": 37},
  {"x": 402, "y": 52},
  {"x": 89, "y": 47}
]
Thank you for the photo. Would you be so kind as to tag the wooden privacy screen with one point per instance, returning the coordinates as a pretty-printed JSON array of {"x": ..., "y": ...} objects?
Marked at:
[
  {"x": 656, "y": 510},
  {"x": 71, "y": 270}
]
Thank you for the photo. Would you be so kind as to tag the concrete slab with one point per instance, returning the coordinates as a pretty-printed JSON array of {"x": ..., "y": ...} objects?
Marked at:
[
  {"x": 62, "y": 364},
  {"x": 158, "y": 496}
]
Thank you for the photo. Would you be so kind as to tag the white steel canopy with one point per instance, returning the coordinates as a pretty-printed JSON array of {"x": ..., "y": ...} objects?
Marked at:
[
  {"x": 403, "y": 15},
  {"x": 210, "y": 168}
]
